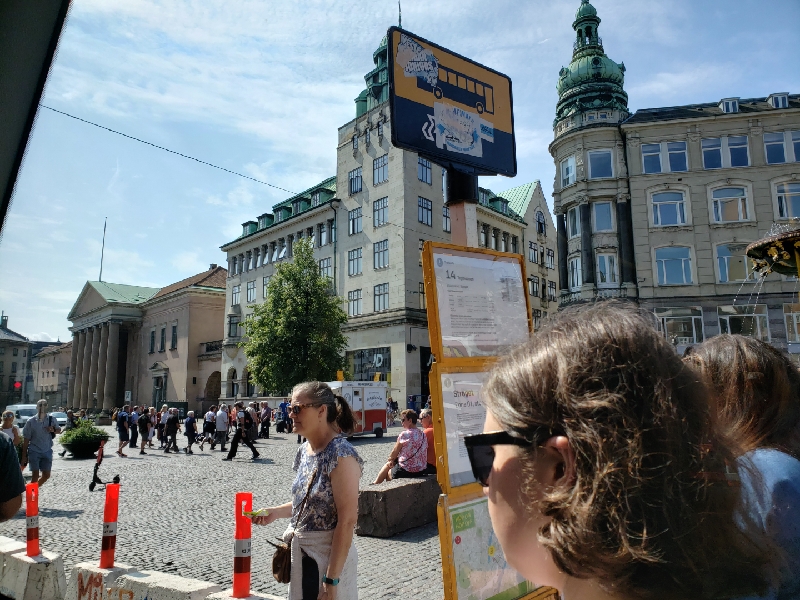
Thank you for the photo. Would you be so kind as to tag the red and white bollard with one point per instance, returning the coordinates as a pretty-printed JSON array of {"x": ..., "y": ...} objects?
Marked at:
[
  {"x": 241, "y": 545},
  {"x": 110, "y": 514},
  {"x": 32, "y": 518}
]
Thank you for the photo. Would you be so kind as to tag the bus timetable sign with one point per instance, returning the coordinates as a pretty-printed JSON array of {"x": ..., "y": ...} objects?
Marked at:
[{"x": 449, "y": 108}]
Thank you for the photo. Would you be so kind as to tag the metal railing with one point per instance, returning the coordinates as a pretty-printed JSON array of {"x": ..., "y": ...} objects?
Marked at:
[
  {"x": 595, "y": 40},
  {"x": 211, "y": 347}
]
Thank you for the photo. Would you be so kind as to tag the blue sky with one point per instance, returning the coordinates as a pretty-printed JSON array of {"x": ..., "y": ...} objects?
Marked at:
[{"x": 260, "y": 87}]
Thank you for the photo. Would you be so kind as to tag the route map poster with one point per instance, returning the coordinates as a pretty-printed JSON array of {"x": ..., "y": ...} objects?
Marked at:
[
  {"x": 482, "y": 306},
  {"x": 481, "y": 570},
  {"x": 464, "y": 413}
]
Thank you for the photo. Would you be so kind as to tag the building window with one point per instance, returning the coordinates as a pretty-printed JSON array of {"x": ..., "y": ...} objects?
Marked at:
[
  {"x": 651, "y": 158},
  {"x": 424, "y": 211},
  {"x": 380, "y": 212},
  {"x": 421, "y": 295},
  {"x": 567, "y": 171},
  {"x": 380, "y": 169},
  {"x": 174, "y": 341},
  {"x": 533, "y": 252},
  {"x": 606, "y": 269},
  {"x": 322, "y": 231},
  {"x": 380, "y": 254},
  {"x": 424, "y": 170},
  {"x": 283, "y": 247},
  {"x": 573, "y": 223},
  {"x": 670, "y": 154},
  {"x": 514, "y": 244},
  {"x": 730, "y": 204},
  {"x": 484, "y": 235},
  {"x": 602, "y": 216},
  {"x": 681, "y": 325},
  {"x": 674, "y": 265},
  {"x": 495, "y": 238},
  {"x": 162, "y": 345},
  {"x": 325, "y": 268},
  {"x": 265, "y": 288},
  {"x": 796, "y": 145},
  {"x": 446, "y": 219},
  {"x": 315, "y": 199},
  {"x": 551, "y": 291},
  {"x": 537, "y": 318},
  {"x": 354, "y": 178},
  {"x": 251, "y": 291},
  {"x": 233, "y": 326},
  {"x": 483, "y": 197},
  {"x": 732, "y": 263},
  {"x": 789, "y": 200},
  {"x": 574, "y": 273},
  {"x": 729, "y": 106},
  {"x": 779, "y": 101},
  {"x": 744, "y": 319},
  {"x": 152, "y": 341},
  {"x": 354, "y": 262},
  {"x": 550, "y": 261},
  {"x": 725, "y": 152},
  {"x": 381, "y": 297},
  {"x": 14, "y": 366},
  {"x": 774, "y": 149},
  {"x": 354, "y": 221},
  {"x": 669, "y": 208},
  {"x": 791, "y": 313},
  {"x": 600, "y": 164},
  {"x": 355, "y": 141},
  {"x": 353, "y": 303},
  {"x": 366, "y": 136},
  {"x": 533, "y": 286},
  {"x": 235, "y": 295},
  {"x": 380, "y": 129},
  {"x": 504, "y": 242}
]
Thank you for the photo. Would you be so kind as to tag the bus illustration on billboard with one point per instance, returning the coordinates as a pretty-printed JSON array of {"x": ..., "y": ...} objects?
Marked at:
[{"x": 462, "y": 89}]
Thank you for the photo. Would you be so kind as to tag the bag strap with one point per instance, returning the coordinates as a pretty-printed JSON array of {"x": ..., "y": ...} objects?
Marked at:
[{"x": 308, "y": 491}]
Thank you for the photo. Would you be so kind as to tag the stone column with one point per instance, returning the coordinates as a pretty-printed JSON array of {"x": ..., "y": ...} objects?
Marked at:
[
  {"x": 93, "y": 368},
  {"x": 87, "y": 362},
  {"x": 79, "y": 368},
  {"x": 563, "y": 251},
  {"x": 101, "y": 364},
  {"x": 112, "y": 361},
  {"x": 73, "y": 364},
  {"x": 625, "y": 232}
]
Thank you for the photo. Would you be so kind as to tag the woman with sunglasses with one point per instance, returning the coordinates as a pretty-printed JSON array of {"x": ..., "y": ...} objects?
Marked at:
[
  {"x": 324, "y": 506},
  {"x": 12, "y": 432},
  {"x": 605, "y": 476},
  {"x": 408, "y": 457}
]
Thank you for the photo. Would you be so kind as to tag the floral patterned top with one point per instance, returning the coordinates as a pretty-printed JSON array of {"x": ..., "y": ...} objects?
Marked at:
[
  {"x": 414, "y": 450},
  {"x": 319, "y": 513}
]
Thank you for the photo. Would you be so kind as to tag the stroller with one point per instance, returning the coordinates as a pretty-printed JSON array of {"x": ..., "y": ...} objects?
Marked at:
[{"x": 280, "y": 425}]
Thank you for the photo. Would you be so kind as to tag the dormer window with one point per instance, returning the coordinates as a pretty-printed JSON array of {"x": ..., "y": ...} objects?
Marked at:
[
  {"x": 483, "y": 197},
  {"x": 729, "y": 105},
  {"x": 296, "y": 207},
  {"x": 315, "y": 199},
  {"x": 779, "y": 100}
]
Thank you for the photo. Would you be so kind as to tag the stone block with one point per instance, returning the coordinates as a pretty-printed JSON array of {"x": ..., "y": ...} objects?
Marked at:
[
  {"x": 34, "y": 577},
  {"x": 160, "y": 586},
  {"x": 394, "y": 506},
  {"x": 8, "y": 546},
  {"x": 90, "y": 582},
  {"x": 227, "y": 595}
]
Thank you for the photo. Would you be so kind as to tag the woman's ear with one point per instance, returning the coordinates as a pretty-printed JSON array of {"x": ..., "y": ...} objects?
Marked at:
[{"x": 562, "y": 458}]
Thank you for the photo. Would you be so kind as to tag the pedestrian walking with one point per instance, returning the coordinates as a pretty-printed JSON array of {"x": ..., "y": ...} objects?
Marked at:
[
  {"x": 154, "y": 428},
  {"x": 133, "y": 419},
  {"x": 144, "y": 425},
  {"x": 163, "y": 415},
  {"x": 209, "y": 427},
  {"x": 190, "y": 431},
  {"x": 171, "y": 430},
  {"x": 253, "y": 432},
  {"x": 266, "y": 419},
  {"x": 244, "y": 423},
  {"x": 12, "y": 432},
  {"x": 324, "y": 506},
  {"x": 123, "y": 429},
  {"x": 221, "y": 433},
  {"x": 37, "y": 445}
]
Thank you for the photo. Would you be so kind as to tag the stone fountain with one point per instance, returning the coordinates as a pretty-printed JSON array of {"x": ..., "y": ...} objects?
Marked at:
[{"x": 778, "y": 251}]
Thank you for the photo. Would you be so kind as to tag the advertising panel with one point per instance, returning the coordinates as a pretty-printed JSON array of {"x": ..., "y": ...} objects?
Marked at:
[{"x": 449, "y": 108}]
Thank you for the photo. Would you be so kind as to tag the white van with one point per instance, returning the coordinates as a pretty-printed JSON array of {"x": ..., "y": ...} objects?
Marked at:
[{"x": 22, "y": 412}]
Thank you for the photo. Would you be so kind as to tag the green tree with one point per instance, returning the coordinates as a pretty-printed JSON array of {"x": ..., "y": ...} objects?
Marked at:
[{"x": 295, "y": 335}]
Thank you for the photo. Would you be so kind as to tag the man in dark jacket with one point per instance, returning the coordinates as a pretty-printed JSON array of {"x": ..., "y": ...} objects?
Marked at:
[
  {"x": 171, "y": 431},
  {"x": 243, "y": 424}
]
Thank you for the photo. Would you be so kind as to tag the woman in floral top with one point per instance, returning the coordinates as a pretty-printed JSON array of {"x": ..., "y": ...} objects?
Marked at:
[
  {"x": 409, "y": 455},
  {"x": 324, "y": 506}
]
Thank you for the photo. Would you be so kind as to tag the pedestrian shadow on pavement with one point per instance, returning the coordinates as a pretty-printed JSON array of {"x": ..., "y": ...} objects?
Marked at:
[{"x": 52, "y": 513}]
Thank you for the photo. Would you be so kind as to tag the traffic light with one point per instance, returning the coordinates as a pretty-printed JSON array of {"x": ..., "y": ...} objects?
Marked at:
[{"x": 17, "y": 386}]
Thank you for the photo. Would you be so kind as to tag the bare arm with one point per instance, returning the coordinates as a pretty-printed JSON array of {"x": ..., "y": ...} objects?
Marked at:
[
  {"x": 344, "y": 483},
  {"x": 17, "y": 436},
  {"x": 395, "y": 451},
  {"x": 25, "y": 451},
  {"x": 9, "y": 508},
  {"x": 284, "y": 511}
]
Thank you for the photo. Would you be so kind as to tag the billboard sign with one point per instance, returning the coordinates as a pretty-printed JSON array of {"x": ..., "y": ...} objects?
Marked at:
[{"x": 449, "y": 108}]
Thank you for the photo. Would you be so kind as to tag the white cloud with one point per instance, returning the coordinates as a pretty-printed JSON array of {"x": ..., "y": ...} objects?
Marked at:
[{"x": 189, "y": 262}]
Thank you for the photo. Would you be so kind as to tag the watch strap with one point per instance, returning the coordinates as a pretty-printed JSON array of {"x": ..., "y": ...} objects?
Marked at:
[{"x": 329, "y": 581}]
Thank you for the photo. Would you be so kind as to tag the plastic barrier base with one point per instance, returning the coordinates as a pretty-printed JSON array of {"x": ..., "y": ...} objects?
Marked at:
[
  {"x": 228, "y": 595},
  {"x": 160, "y": 586},
  {"x": 90, "y": 582},
  {"x": 34, "y": 577},
  {"x": 8, "y": 546}
]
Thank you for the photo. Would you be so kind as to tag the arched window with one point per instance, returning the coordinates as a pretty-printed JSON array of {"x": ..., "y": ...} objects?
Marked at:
[
  {"x": 729, "y": 204},
  {"x": 541, "y": 224},
  {"x": 669, "y": 209}
]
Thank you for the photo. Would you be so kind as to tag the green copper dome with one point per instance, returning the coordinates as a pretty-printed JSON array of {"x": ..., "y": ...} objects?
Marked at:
[
  {"x": 592, "y": 80},
  {"x": 377, "y": 81}
]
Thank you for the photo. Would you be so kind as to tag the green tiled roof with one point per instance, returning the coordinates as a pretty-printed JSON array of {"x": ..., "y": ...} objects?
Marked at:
[
  {"x": 328, "y": 184},
  {"x": 127, "y": 294},
  {"x": 519, "y": 197}
]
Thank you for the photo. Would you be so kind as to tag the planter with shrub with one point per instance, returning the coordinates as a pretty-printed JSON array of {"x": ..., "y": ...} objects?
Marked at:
[{"x": 84, "y": 440}]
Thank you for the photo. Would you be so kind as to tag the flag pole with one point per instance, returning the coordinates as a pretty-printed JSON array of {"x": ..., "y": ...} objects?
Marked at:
[{"x": 103, "y": 249}]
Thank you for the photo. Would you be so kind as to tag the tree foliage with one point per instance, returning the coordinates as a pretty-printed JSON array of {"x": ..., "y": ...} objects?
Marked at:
[{"x": 295, "y": 335}]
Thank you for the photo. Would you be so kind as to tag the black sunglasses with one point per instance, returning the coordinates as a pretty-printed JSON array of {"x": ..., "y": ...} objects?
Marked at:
[
  {"x": 295, "y": 409},
  {"x": 480, "y": 449}
]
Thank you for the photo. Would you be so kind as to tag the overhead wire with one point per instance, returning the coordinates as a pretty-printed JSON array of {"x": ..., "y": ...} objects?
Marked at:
[{"x": 202, "y": 162}]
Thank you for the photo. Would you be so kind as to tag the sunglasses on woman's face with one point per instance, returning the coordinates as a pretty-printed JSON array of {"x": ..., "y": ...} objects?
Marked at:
[
  {"x": 296, "y": 409},
  {"x": 480, "y": 449}
]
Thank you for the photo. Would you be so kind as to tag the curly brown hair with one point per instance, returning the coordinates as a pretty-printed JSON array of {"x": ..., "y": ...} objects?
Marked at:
[
  {"x": 757, "y": 389},
  {"x": 649, "y": 514}
]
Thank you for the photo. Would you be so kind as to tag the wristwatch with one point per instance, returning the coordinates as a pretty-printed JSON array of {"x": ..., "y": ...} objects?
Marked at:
[{"x": 329, "y": 581}]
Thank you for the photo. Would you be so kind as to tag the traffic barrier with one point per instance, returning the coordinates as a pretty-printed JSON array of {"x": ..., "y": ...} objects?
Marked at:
[
  {"x": 39, "y": 577},
  {"x": 8, "y": 546},
  {"x": 90, "y": 582},
  {"x": 160, "y": 586},
  {"x": 32, "y": 518},
  {"x": 242, "y": 545},
  {"x": 110, "y": 514}
]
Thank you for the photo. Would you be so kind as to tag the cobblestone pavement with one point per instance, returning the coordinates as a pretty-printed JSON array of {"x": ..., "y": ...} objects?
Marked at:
[{"x": 176, "y": 516}]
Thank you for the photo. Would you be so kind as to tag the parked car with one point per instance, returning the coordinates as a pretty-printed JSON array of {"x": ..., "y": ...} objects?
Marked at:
[
  {"x": 22, "y": 412},
  {"x": 61, "y": 418}
]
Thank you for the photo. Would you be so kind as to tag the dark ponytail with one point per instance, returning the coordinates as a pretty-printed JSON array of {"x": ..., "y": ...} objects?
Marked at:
[
  {"x": 341, "y": 413},
  {"x": 338, "y": 409}
]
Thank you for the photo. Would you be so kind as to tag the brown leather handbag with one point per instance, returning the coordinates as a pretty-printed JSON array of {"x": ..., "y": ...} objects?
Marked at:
[{"x": 282, "y": 559}]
